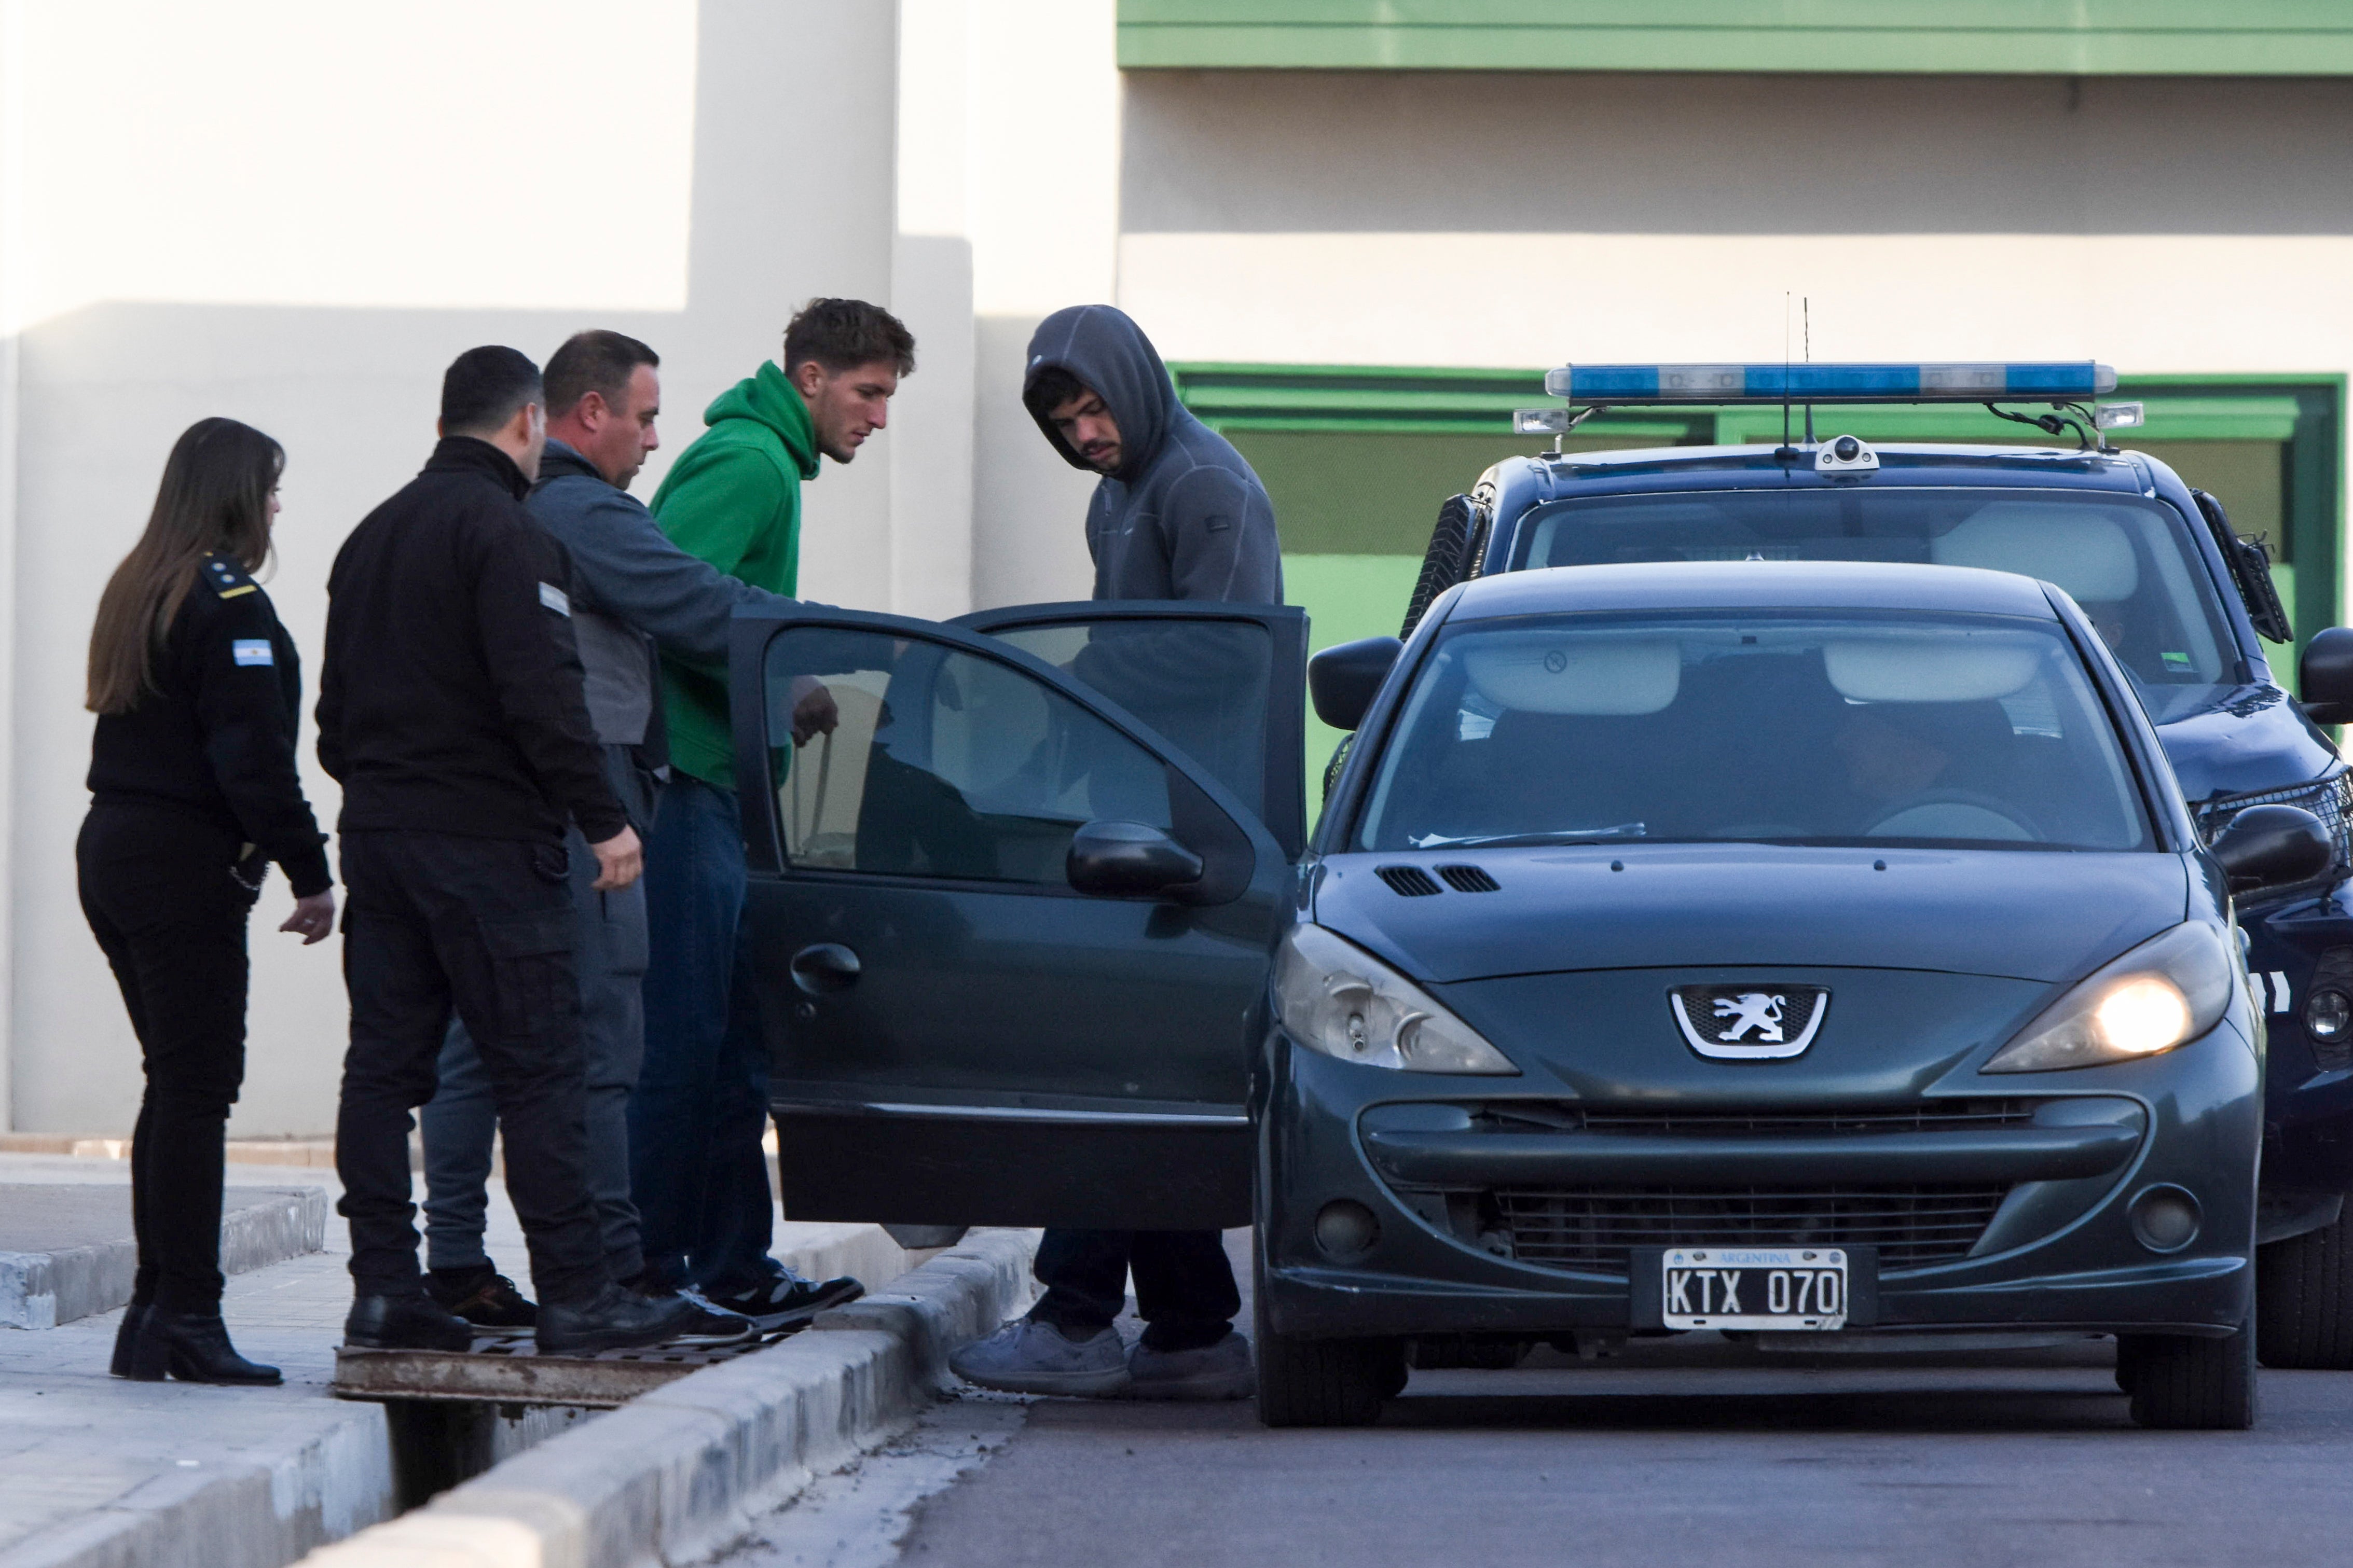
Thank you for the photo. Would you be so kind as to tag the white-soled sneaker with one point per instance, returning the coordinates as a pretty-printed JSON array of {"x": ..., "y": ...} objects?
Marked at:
[
  {"x": 1221, "y": 1371},
  {"x": 1029, "y": 1357}
]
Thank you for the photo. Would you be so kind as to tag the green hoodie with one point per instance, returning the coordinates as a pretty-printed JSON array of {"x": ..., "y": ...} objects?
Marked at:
[{"x": 733, "y": 499}]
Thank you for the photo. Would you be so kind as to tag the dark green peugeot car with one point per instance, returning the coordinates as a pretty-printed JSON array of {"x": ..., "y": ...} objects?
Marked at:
[{"x": 1767, "y": 948}]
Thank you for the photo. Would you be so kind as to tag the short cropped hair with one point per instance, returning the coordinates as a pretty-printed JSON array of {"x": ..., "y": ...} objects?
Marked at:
[
  {"x": 598, "y": 362},
  {"x": 842, "y": 334},
  {"x": 483, "y": 387},
  {"x": 1050, "y": 388}
]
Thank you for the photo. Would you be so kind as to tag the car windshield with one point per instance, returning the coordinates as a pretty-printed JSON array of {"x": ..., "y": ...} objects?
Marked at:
[
  {"x": 1803, "y": 727},
  {"x": 2129, "y": 563}
]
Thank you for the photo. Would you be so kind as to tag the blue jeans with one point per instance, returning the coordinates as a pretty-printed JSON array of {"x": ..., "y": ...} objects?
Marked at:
[{"x": 698, "y": 1174}]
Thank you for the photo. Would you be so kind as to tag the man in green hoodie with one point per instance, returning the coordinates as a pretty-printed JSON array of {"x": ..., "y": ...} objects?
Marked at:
[{"x": 697, "y": 1173}]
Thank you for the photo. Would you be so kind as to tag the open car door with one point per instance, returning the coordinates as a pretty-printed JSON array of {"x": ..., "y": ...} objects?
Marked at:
[{"x": 960, "y": 1035}]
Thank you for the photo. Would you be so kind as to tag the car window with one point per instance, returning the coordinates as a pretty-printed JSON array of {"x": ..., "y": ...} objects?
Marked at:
[
  {"x": 2130, "y": 564},
  {"x": 940, "y": 763},
  {"x": 1202, "y": 684},
  {"x": 1982, "y": 731}
]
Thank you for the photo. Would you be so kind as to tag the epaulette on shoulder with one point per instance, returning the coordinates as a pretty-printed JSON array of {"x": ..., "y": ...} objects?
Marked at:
[{"x": 226, "y": 579}]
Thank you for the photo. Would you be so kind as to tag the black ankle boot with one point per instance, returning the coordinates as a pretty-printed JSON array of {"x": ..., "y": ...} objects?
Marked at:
[
  {"x": 193, "y": 1347},
  {"x": 125, "y": 1337}
]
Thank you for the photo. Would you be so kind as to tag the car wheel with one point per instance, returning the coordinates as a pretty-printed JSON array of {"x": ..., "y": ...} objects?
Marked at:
[
  {"x": 1321, "y": 1383},
  {"x": 1442, "y": 563},
  {"x": 2304, "y": 1300},
  {"x": 2183, "y": 1383}
]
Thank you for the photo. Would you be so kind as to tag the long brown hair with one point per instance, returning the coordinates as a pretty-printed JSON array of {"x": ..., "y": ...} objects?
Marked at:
[{"x": 214, "y": 499}]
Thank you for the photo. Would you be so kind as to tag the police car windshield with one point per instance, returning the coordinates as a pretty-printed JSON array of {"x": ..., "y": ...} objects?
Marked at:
[
  {"x": 2129, "y": 563},
  {"x": 1808, "y": 728}
]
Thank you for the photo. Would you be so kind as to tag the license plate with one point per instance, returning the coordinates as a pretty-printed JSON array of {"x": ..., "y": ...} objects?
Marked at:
[{"x": 1755, "y": 1288}]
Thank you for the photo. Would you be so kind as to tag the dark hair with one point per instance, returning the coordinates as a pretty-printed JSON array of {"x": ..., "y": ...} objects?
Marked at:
[
  {"x": 214, "y": 499},
  {"x": 1050, "y": 388},
  {"x": 599, "y": 361},
  {"x": 842, "y": 334},
  {"x": 483, "y": 387}
]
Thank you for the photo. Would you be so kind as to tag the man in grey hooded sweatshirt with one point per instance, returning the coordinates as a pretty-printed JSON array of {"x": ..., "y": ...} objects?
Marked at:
[{"x": 1177, "y": 514}]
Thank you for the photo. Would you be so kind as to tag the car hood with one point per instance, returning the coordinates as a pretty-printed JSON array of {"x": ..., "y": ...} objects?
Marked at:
[
  {"x": 2022, "y": 914},
  {"x": 2255, "y": 740}
]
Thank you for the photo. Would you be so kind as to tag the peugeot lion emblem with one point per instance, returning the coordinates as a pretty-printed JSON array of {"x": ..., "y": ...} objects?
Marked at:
[{"x": 1749, "y": 1022}]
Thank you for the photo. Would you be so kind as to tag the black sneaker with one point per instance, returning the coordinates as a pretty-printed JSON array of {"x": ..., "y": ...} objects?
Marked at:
[
  {"x": 612, "y": 1320},
  {"x": 481, "y": 1295},
  {"x": 406, "y": 1322},
  {"x": 710, "y": 1326},
  {"x": 786, "y": 1301}
]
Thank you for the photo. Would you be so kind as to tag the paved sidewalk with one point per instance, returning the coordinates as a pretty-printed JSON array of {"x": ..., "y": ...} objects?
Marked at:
[
  {"x": 79, "y": 1450},
  {"x": 94, "y": 1469}
]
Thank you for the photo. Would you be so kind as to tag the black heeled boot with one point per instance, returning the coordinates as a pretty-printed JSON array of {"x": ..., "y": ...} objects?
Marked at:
[
  {"x": 126, "y": 1338},
  {"x": 193, "y": 1347}
]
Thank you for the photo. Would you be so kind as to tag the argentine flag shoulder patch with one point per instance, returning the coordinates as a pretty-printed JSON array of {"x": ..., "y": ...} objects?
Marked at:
[
  {"x": 252, "y": 650},
  {"x": 555, "y": 599}
]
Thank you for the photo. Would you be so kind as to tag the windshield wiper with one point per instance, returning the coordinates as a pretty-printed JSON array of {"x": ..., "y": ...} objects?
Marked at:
[{"x": 1557, "y": 835}]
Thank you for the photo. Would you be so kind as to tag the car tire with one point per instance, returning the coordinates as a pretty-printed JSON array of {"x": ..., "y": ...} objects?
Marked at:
[
  {"x": 2182, "y": 1382},
  {"x": 2304, "y": 1300},
  {"x": 1442, "y": 563},
  {"x": 1321, "y": 1382}
]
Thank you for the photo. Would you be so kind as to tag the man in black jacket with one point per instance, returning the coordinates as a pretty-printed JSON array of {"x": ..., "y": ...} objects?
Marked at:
[{"x": 450, "y": 710}]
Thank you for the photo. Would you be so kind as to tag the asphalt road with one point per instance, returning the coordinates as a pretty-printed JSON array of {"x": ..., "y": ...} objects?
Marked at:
[{"x": 1698, "y": 1454}]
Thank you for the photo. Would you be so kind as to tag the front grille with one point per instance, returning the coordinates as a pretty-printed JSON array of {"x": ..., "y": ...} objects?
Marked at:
[
  {"x": 1931, "y": 1116},
  {"x": 2329, "y": 799},
  {"x": 1911, "y": 1226}
]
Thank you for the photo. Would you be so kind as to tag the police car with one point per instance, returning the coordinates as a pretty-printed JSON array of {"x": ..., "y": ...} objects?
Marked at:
[
  {"x": 2179, "y": 597},
  {"x": 1763, "y": 946}
]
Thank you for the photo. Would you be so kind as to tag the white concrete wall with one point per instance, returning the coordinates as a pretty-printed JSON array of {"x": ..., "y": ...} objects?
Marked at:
[
  {"x": 296, "y": 216},
  {"x": 1442, "y": 219}
]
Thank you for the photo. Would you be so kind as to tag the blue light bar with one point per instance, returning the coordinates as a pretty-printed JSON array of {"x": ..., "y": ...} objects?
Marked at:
[{"x": 1626, "y": 383}]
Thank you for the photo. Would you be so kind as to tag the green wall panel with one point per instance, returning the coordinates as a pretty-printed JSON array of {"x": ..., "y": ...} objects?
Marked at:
[
  {"x": 1346, "y": 598},
  {"x": 2086, "y": 37}
]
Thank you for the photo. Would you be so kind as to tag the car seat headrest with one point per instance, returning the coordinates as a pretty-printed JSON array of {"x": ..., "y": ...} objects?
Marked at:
[{"x": 2081, "y": 548}]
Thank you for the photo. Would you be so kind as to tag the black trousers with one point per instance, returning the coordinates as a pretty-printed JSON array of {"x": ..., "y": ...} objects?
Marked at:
[
  {"x": 1184, "y": 1288},
  {"x": 438, "y": 922},
  {"x": 156, "y": 889}
]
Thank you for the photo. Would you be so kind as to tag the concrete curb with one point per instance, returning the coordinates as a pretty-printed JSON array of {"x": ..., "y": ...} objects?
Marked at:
[
  {"x": 682, "y": 1471},
  {"x": 262, "y": 1508},
  {"x": 42, "y": 1289}
]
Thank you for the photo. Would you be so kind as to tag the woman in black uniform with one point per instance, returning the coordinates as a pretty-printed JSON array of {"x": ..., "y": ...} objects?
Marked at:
[{"x": 193, "y": 793}]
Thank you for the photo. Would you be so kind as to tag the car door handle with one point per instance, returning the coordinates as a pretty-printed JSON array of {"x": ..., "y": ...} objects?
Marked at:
[{"x": 825, "y": 967}]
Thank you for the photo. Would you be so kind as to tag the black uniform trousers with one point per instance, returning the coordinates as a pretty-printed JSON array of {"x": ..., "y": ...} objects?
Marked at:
[
  {"x": 442, "y": 921},
  {"x": 1185, "y": 1290},
  {"x": 157, "y": 889}
]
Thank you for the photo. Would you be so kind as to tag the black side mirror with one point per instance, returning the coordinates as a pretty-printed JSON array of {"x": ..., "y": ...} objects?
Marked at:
[
  {"x": 2325, "y": 675},
  {"x": 1341, "y": 680},
  {"x": 2274, "y": 847},
  {"x": 1128, "y": 858}
]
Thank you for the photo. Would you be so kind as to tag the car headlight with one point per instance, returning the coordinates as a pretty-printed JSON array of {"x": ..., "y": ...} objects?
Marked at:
[
  {"x": 2166, "y": 992},
  {"x": 1334, "y": 997}
]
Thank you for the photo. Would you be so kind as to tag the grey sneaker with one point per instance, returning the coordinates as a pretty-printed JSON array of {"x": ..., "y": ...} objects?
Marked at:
[
  {"x": 1029, "y": 1357},
  {"x": 1221, "y": 1371}
]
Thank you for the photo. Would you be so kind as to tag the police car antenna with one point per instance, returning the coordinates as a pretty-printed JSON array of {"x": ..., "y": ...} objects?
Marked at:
[
  {"x": 1784, "y": 452},
  {"x": 1807, "y": 306}
]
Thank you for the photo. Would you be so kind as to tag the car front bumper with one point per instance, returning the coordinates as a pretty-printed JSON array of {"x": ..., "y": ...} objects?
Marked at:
[{"x": 2059, "y": 1253}]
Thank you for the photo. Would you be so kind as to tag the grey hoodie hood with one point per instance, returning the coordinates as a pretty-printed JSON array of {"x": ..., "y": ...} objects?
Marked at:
[
  {"x": 1103, "y": 346},
  {"x": 1184, "y": 518}
]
